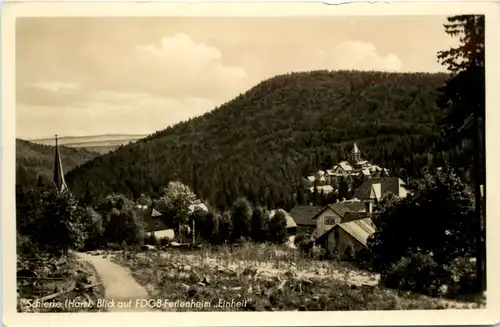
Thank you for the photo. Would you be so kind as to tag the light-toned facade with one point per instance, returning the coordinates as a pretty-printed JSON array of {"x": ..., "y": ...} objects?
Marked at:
[
  {"x": 344, "y": 225},
  {"x": 354, "y": 166}
]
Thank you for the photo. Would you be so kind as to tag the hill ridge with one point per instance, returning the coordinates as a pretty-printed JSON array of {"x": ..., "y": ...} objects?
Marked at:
[{"x": 263, "y": 142}]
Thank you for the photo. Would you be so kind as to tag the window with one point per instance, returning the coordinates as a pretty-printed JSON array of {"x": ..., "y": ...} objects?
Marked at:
[{"x": 331, "y": 220}]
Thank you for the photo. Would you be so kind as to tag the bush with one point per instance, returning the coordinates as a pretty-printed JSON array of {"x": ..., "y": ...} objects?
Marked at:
[
  {"x": 151, "y": 239},
  {"x": 124, "y": 226},
  {"x": 462, "y": 276},
  {"x": 24, "y": 244},
  {"x": 364, "y": 259},
  {"x": 164, "y": 241},
  {"x": 304, "y": 243},
  {"x": 94, "y": 229},
  {"x": 349, "y": 253},
  {"x": 419, "y": 272},
  {"x": 438, "y": 217},
  {"x": 318, "y": 253}
]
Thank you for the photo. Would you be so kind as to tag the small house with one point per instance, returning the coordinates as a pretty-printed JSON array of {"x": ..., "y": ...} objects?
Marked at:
[
  {"x": 347, "y": 237},
  {"x": 374, "y": 189},
  {"x": 156, "y": 225},
  {"x": 303, "y": 217},
  {"x": 343, "y": 226}
]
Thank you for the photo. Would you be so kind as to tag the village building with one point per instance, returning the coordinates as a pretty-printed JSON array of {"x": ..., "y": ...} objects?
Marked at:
[
  {"x": 303, "y": 217},
  {"x": 157, "y": 226},
  {"x": 325, "y": 189},
  {"x": 343, "y": 226},
  {"x": 374, "y": 189},
  {"x": 354, "y": 166}
]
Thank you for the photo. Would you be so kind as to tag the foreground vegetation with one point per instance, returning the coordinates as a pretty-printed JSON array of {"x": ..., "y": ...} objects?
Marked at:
[
  {"x": 268, "y": 278},
  {"x": 63, "y": 283}
]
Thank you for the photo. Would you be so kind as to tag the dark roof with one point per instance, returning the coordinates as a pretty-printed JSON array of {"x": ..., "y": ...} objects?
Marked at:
[
  {"x": 303, "y": 215},
  {"x": 387, "y": 185},
  {"x": 155, "y": 224},
  {"x": 342, "y": 208}
]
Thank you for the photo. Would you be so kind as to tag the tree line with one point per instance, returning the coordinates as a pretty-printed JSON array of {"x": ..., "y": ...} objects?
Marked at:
[{"x": 53, "y": 221}]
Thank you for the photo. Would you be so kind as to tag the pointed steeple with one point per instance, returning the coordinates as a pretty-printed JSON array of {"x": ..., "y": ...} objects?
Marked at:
[
  {"x": 355, "y": 148},
  {"x": 355, "y": 154},
  {"x": 58, "y": 171}
]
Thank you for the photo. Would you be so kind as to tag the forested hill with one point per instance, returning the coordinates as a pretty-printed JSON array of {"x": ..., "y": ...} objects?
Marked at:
[
  {"x": 33, "y": 160},
  {"x": 262, "y": 143}
]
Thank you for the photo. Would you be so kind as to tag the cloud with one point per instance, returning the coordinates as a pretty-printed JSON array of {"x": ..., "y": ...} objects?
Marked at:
[
  {"x": 55, "y": 86},
  {"x": 342, "y": 55},
  {"x": 357, "y": 55},
  {"x": 179, "y": 64}
]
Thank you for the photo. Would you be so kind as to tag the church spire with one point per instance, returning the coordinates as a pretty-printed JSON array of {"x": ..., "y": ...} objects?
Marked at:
[
  {"x": 58, "y": 171},
  {"x": 355, "y": 154}
]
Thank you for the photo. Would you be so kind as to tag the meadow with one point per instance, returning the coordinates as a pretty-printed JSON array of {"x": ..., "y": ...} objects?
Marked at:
[{"x": 267, "y": 278}]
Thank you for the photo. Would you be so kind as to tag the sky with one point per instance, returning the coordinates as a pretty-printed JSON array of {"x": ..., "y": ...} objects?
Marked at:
[{"x": 93, "y": 76}]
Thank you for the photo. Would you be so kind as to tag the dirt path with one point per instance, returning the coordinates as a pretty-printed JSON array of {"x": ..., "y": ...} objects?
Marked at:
[{"x": 119, "y": 285}]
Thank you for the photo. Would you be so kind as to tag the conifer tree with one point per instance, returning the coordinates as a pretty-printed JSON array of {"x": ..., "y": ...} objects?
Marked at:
[{"x": 463, "y": 99}]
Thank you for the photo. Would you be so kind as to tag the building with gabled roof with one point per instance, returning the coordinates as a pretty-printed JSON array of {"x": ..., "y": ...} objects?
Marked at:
[
  {"x": 374, "y": 189},
  {"x": 343, "y": 225},
  {"x": 354, "y": 166},
  {"x": 155, "y": 224},
  {"x": 303, "y": 217},
  {"x": 351, "y": 235}
]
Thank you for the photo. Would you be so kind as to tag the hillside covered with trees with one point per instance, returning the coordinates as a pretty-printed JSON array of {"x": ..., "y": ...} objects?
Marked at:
[
  {"x": 34, "y": 160},
  {"x": 261, "y": 144}
]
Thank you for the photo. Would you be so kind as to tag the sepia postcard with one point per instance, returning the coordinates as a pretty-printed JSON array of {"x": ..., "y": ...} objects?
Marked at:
[{"x": 229, "y": 164}]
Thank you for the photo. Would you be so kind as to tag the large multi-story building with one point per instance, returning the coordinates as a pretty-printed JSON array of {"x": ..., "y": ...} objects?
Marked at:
[{"x": 354, "y": 166}]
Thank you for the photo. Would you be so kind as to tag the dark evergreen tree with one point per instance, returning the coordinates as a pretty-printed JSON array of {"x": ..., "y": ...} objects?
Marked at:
[
  {"x": 260, "y": 221},
  {"x": 277, "y": 228},
  {"x": 463, "y": 99}
]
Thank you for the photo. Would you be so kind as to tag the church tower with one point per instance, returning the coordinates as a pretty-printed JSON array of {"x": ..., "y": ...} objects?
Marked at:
[
  {"x": 59, "y": 181},
  {"x": 355, "y": 154}
]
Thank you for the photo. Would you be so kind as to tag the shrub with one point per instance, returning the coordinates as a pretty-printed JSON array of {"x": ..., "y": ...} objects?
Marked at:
[
  {"x": 164, "y": 241},
  {"x": 349, "y": 253},
  {"x": 417, "y": 272},
  {"x": 437, "y": 217},
  {"x": 124, "y": 226},
  {"x": 318, "y": 253},
  {"x": 24, "y": 244},
  {"x": 461, "y": 274},
  {"x": 364, "y": 259},
  {"x": 304, "y": 243},
  {"x": 151, "y": 239},
  {"x": 94, "y": 229}
]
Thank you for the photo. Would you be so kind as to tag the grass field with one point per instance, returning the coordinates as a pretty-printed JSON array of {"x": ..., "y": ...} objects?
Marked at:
[{"x": 266, "y": 278}]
